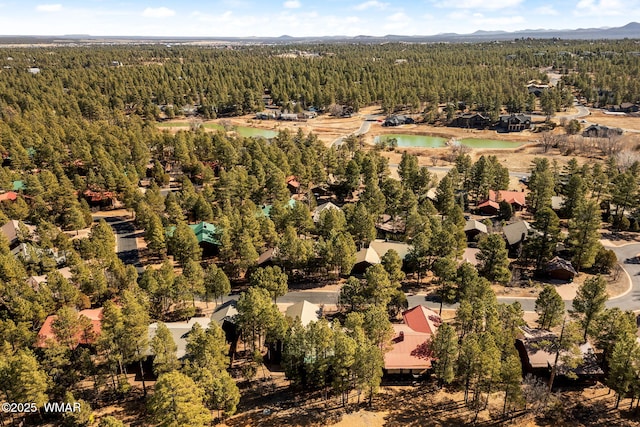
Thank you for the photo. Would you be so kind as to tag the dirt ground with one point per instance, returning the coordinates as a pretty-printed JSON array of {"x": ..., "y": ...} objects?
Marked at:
[{"x": 614, "y": 120}]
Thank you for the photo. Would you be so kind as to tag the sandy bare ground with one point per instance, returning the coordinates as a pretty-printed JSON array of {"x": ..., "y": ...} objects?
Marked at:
[{"x": 620, "y": 121}]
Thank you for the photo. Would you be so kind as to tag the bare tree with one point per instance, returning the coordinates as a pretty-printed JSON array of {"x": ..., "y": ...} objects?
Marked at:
[{"x": 548, "y": 140}]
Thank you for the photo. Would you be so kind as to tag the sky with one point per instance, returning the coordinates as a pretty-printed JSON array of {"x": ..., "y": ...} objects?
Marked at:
[{"x": 270, "y": 18}]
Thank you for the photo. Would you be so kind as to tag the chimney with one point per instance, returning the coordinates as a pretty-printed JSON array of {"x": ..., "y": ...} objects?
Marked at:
[{"x": 401, "y": 336}]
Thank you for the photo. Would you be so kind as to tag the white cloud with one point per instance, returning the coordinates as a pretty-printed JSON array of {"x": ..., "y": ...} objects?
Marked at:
[
  {"x": 371, "y": 4},
  {"x": 158, "y": 12},
  {"x": 602, "y": 7},
  {"x": 546, "y": 10},
  {"x": 291, "y": 4},
  {"x": 49, "y": 7},
  {"x": 480, "y": 4}
]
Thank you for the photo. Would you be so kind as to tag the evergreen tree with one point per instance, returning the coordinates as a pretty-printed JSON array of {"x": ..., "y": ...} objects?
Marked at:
[
  {"x": 272, "y": 279},
  {"x": 164, "y": 350},
  {"x": 178, "y": 402},
  {"x": 589, "y": 303},
  {"x": 550, "y": 307},
  {"x": 183, "y": 244},
  {"x": 445, "y": 351},
  {"x": 583, "y": 234},
  {"x": 623, "y": 368},
  {"x": 216, "y": 283},
  {"x": 493, "y": 260}
]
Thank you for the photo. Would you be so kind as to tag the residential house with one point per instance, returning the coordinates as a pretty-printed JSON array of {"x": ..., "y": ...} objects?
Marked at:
[
  {"x": 366, "y": 257},
  {"x": 398, "y": 120},
  {"x": 390, "y": 227},
  {"x": 538, "y": 358},
  {"x": 515, "y": 123},
  {"x": 626, "y": 107},
  {"x": 100, "y": 199},
  {"x": 491, "y": 206},
  {"x": 473, "y": 229},
  {"x": 179, "y": 332},
  {"x": 557, "y": 202},
  {"x": 87, "y": 336},
  {"x": 208, "y": 236},
  {"x": 36, "y": 281},
  {"x": 321, "y": 208},
  {"x": 225, "y": 317},
  {"x": 293, "y": 184},
  {"x": 537, "y": 89},
  {"x": 10, "y": 196},
  {"x": 560, "y": 269},
  {"x": 471, "y": 121},
  {"x": 305, "y": 311},
  {"x": 515, "y": 234},
  {"x": 410, "y": 352},
  {"x": 598, "y": 131}
]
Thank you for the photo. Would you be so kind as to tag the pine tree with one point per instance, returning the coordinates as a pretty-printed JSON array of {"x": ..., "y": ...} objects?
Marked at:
[
  {"x": 155, "y": 236},
  {"x": 183, "y": 244},
  {"x": 445, "y": 352},
  {"x": 493, "y": 260},
  {"x": 550, "y": 307},
  {"x": 164, "y": 350},
  {"x": 589, "y": 302},
  {"x": 216, "y": 283},
  {"x": 583, "y": 234},
  {"x": 623, "y": 366},
  {"x": 272, "y": 279},
  {"x": 178, "y": 402}
]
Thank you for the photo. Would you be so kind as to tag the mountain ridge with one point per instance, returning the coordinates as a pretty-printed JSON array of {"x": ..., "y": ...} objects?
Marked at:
[{"x": 630, "y": 30}]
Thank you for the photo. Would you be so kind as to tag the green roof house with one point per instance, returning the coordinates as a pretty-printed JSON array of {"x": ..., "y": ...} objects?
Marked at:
[{"x": 18, "y": 185}]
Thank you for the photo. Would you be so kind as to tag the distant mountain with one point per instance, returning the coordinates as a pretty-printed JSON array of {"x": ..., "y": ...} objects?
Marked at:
[{"x": 631, "y": 30}]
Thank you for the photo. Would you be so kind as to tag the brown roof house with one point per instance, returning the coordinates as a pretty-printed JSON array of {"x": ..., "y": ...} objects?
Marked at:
[
  {"x": 410, "y": 348},
  {"x": 535, "y": 347},
  {"x": 560, "y": 269},
  {"x": 86, "y": 336},
  {"x": 491, "y": 206}
]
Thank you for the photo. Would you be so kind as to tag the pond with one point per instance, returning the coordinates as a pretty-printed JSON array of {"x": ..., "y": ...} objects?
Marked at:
[
  {"x": 248, "y": 132},
  {"x": 438, "y": 142},
  {"x": 414, "y": 140}
]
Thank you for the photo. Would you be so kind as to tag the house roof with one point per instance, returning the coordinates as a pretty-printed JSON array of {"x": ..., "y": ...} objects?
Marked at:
[
  {"x": 9, "y": 195},
  {"x": 558, "y": 263},
  {"x": 321, "y": 208},
  {"x": 368, "y": 255},
  {"x": 409, "y": 350},
  {"x": 225, "y": 312},
  {"x": 472, "y": 224},
  {"x": 557, "y": 202},
  {"x": 291, "y": 179},
  {"x": 94, "y": 315},
  {"x": 12, "y": 228},
  {"x": 514, "y": 232},
  {"x": 204, "y": 231},
  {"x": 511, "y": 197},
  {"x": 489, "y": 203},
  {"x": 180, "y": 332},
  {"x": 36, "y": 280},
  {"x": 305, "y": 311},
  {"x": 541, "y": 358},
  {"x": 422, "y": 319},
  {"x": 18, "y": 185},
  {"x": 410, "y": 345},
  {"x": 383, "y": 246}
]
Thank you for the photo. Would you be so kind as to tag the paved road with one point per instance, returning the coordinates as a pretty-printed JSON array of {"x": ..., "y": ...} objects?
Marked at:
[
  {"x": 126, "y": 245},
  {"x": 627, "y": 256},
  {"x": 364, "y": 128}
]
